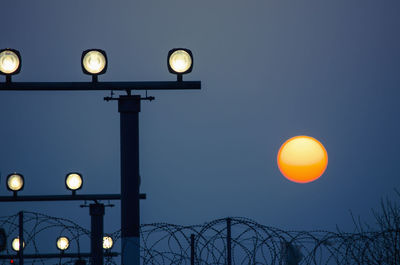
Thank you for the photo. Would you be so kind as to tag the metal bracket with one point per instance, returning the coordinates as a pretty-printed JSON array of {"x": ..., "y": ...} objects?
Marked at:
[{"x": 151, "y": 98}]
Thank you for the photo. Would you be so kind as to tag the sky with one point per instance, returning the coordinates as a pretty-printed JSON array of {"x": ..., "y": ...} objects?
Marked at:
[{"x": 270, "y": 70}]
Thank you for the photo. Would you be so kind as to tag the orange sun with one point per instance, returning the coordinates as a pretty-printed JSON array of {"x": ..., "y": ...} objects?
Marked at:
[{"x": 302, "y": 159}]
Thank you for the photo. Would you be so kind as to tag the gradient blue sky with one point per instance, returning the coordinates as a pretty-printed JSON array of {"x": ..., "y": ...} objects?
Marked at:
[{"x": 270, "y": 70}]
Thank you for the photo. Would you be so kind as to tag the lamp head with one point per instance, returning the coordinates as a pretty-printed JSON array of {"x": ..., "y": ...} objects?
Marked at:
[
  {"x": 15, "y": 244},
  {"x": 10, "y": 63},
  {"x": 73, "y": 181},
  {"x": 107, "y": 242},
  {"x": 15, "y": 182},
  {"x": 180, "y": 62},
  {"x": 62, "y": 243},
  {"x": 94, "y": 62}
]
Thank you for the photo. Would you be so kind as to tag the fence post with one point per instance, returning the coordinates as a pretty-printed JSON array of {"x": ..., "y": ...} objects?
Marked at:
[
  {"x": 228, "y": 241},
  {"x": 192, "y": 252}
]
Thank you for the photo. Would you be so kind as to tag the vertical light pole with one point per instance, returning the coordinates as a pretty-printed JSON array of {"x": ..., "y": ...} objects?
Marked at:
[
  {"x": 21, "y": 238},
  {"x": 129, "y": 108},
  {"x": 96, "y": 233}
]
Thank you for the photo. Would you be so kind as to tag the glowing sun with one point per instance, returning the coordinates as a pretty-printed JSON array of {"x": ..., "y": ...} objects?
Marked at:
[{"x": 302, "y": 159}]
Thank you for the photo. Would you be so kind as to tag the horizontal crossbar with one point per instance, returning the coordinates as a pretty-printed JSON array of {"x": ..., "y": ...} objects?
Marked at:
[
  {"x": 99, "y": 86},
  {"x": 88, "y": 197},
  {"x": 56, "y": 255}
]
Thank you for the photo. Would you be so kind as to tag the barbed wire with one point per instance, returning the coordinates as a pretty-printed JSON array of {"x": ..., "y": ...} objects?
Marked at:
[{"x": 248, "y": 241}]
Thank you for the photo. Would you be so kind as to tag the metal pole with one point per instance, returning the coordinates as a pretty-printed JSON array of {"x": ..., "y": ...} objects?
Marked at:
[
  {"x": 21, "y": 238},
  {"x": 228, "y": 241},
  {"x": 192, "y": 252},
  {"x": 96, "y": 237},
  {"x": 129, "y": 108}
]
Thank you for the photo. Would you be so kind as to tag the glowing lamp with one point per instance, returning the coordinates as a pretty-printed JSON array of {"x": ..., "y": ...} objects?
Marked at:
[
  {"x": 15, "y": 182},
  {"x": 73, "y": 181},
  {"x": 62, "y": 243},
  {"x": 10, "y": 63},
  {"x": 107, "y": 242},
  {"x": 15, "y": 244},
  {"x": 94, "y": 63},
  {"x": 302, "y": 159},
  {"x": 180, "y": 62}
]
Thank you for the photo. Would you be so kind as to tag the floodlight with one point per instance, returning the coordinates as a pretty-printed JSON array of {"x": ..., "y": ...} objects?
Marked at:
[
  {"x": 15, "y": 244},
  {"x": 107, "y": 242},
  {"x": 15, "y": 182},
  {"x": 94, "y": 62},
  {"x": 180, "y": 62},
  {"x": 10, "y": 63},
  {"x": 62, "y": 243},
  {"x": 73, "y": 182}
]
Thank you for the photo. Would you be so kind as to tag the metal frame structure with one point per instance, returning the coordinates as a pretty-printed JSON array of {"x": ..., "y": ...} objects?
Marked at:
[{"x": 129, "y": 108}]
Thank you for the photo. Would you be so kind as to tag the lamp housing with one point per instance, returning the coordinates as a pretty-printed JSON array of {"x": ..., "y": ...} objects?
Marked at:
[
  {"x": 107, "y": 242},
  {"x": 15, "y": 244},
  {"x": 180, "y": 62},
  {"x": 73, "y": 181},
  {"x": 15, "y": 182},
  {"x": 62, "y": 243},
  {"x": 10, "y": 62},
  {"x": 94, "y": 62}
]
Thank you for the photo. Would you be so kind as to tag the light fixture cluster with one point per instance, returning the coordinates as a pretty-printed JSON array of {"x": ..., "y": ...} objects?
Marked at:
[
  {"x": 15, "y": 182},
  {"x": 94, "y": 62},
  {"x": 63, "y": 243}
]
